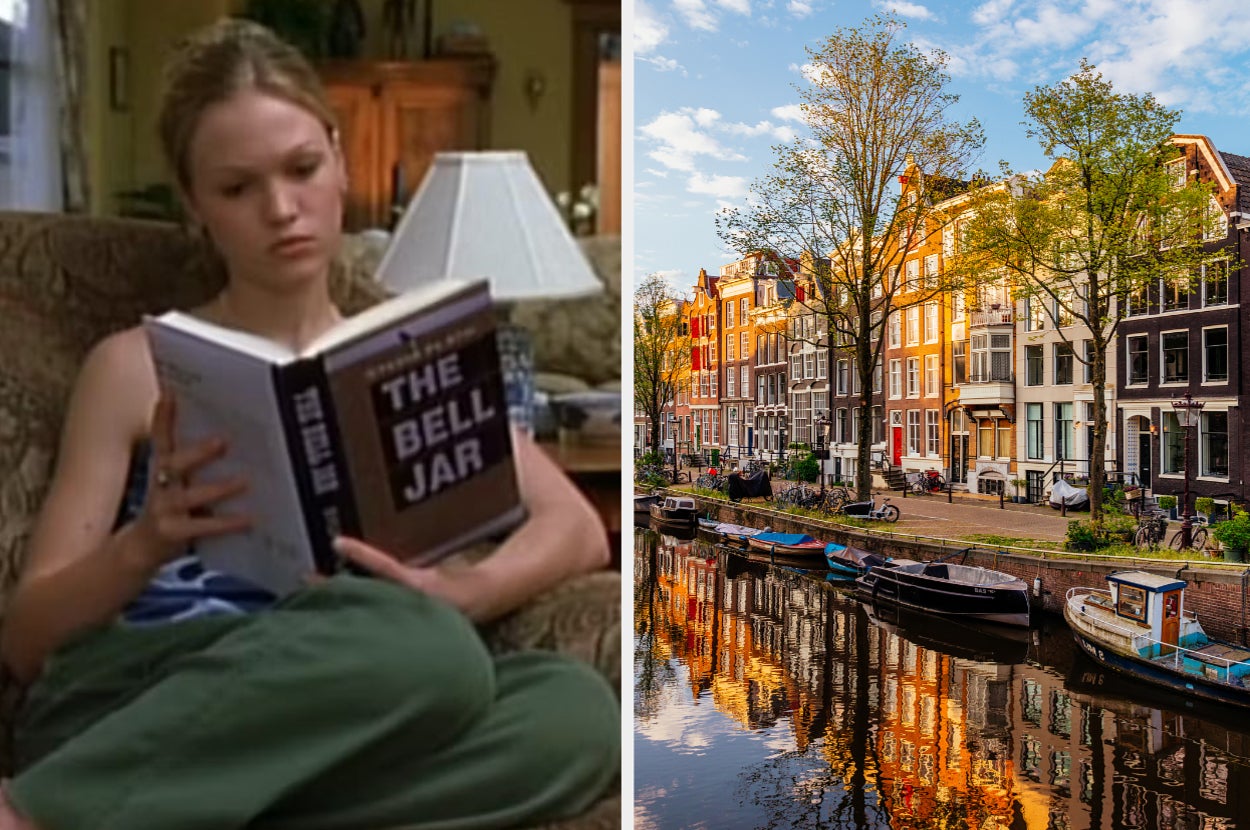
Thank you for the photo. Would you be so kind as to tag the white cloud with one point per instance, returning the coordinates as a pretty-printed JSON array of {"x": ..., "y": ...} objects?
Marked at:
[
  {"x": 649, "y": 30},
  {"x": 789, "y": 112},
  {"x": 655, "y": 171},
  {"x": 904, "y": 9},
  {"x": 738, "y": 6},
  {"x": 991, "y": 13},
  {"x": 682, "y": 136},
  {"x": 722, "y": 187},
  {"x": 782, "y": 132},
  {"x": 664, "y": 64},
  {"x": 799, "y": 8},
  {"x": 696, "y": 14}
]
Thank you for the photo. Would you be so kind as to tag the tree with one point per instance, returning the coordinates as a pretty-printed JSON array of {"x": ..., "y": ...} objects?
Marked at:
[
  {"x": 661, "y": 351},
  {"x": 876, "y": 110},
  {"x": 1100, "y": 227}
]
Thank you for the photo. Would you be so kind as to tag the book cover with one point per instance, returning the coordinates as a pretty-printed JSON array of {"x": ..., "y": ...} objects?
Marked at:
[{"x": 391, "y": 428}]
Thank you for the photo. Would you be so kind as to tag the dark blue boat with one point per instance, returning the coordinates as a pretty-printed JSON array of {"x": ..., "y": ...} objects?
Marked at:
[{"x": 851, "y": 561}]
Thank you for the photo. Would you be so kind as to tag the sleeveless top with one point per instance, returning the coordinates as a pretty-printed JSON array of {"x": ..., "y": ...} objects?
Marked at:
[{"x": 183, "y": 588}]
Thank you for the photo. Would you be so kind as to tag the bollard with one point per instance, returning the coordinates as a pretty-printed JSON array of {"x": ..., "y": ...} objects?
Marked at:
[
  {"x": 1000, "y": 499},
  {"x": 950, "y": 493}
]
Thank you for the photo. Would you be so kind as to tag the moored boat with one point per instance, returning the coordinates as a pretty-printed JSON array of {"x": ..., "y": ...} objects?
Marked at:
[
  {"x": 962, "y": 591},
  {"x": 851, "y": 561},
  {"x": 737, "y": 534},
  {"x": 642, "y": 506},
  {"x": 787, "y": 544},
  {"x": 1140, "y": 628},
  {"x": 675, "y": 513}
]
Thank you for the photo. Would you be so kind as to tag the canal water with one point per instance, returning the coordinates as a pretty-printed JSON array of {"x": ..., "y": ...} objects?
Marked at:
[{"x": 769, "y": 697}]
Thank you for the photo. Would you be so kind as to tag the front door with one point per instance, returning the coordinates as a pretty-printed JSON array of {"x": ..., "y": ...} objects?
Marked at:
[
  {"x": 1144, "y": 459},
  {"x": 897, "y": 445},
  {"x": 750, "y": 440},
  {"x": 959, "y": 459},
  {"x": 1170, "y": 629}
]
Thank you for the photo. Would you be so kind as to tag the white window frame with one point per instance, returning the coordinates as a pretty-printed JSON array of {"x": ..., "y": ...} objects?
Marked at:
[
  {"x": 933, "y": 433},
  {"x": 913, "y": 377},
  {"x": 913, "y": 325},
  {"x": 932, "y": 328},
  {"x": 1128, "y": 360},
  {"x": 1163, "y": 381},
  {"x": 932, "y": 376},
  {"x": 1206, "y": 379},
  {"x": 896, "y": 379}
]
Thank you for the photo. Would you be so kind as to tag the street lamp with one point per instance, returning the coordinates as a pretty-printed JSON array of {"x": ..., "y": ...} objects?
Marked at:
[
  {"x": 1187, "y": 413},
  {"x": 822, "y": 445},
  {"x": 672, "y": 430},
  {"x": 783, "y": 445}
]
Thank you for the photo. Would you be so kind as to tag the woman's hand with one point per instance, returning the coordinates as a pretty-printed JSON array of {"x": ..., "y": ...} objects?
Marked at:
[
  {"x": 462, "y": 587},
  {"x": 177, "y": 510}
]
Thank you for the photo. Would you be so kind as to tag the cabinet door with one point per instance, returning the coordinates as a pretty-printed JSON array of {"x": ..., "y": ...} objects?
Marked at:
[
  {"x": 419, "y": 120},
  {"x": 356, "y": 107}
]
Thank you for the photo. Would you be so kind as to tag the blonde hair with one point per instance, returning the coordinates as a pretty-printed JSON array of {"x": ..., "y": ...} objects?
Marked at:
[{"x": 220, "y": 60}]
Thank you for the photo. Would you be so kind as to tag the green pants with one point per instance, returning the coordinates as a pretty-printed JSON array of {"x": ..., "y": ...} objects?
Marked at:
[{"x": 356, "y": 704}]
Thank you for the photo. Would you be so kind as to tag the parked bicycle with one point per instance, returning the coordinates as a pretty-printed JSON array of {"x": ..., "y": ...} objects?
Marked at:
[
  {"x": 1151, "y": 529},
  {"x": 1197, "y": 535},
  {"x": 930, "y": 481}
]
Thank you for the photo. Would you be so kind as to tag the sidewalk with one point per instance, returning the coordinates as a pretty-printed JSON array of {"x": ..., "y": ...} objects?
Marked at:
[{"x": 967, "y": 514}]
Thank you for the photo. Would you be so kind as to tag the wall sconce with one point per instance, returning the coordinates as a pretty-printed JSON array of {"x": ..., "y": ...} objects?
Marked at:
[
  {"x": 1154, "y": 429},
  {"x": 535, "y": 88}
]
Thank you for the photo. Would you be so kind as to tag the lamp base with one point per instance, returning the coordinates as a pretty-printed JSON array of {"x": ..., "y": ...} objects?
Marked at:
[{"x": 516, "y": 359}]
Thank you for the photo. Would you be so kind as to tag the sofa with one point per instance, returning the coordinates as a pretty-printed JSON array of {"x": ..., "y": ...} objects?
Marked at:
[{"x": 66, "y": 281}]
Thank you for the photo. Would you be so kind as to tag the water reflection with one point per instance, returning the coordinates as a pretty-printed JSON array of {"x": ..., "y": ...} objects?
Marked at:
[{"x": 765, "y": 698}]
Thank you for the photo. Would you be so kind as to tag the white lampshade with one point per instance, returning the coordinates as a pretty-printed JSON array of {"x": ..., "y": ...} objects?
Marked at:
[{"x": 487, "y": 215}]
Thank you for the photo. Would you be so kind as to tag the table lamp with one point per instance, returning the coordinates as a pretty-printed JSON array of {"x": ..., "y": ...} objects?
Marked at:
[{"x": 487, "y": 214}]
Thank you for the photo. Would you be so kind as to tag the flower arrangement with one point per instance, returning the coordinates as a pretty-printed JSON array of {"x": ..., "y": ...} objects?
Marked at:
[{"x": 580, "y": 213}]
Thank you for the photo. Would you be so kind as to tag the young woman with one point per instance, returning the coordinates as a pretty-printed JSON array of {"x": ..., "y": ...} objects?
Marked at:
[{"x": 166, "y": 696}]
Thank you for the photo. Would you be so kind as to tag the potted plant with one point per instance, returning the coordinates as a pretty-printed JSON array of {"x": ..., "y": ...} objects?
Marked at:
[
  {"x": 1021, "y": 489},
  {"x": 1168, "y": 503},
  {"x": 1205, "y": 505},
  {"x": 1234, "y": 535}
]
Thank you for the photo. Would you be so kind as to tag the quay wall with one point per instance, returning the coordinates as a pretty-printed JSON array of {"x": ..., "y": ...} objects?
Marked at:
[{"x": 1217, "y": 592}]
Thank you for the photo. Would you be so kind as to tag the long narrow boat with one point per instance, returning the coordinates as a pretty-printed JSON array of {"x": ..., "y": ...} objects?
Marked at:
[
  {"x": 849, "y": 561},
  {"x": 1141, "y": 628},
  {"x": 787, "y": 544},
  {"x": 962, "y": 591},
  {"x": 737, "y": 534}
]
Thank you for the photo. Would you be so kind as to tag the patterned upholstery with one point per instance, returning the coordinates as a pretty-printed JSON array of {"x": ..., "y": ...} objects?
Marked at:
[{"x": 67, "y": 281}]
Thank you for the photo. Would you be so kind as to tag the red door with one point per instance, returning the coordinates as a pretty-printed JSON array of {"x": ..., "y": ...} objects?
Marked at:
[
  {"x": 1169, "y": 632},
  {"x": 897, "y": 445}
]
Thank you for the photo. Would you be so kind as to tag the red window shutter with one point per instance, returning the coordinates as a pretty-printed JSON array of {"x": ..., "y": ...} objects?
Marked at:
[
  {"x": 694, "y": 360},
  {"x": 799, "y": 294},
  {"x": 694, "y": 326}
]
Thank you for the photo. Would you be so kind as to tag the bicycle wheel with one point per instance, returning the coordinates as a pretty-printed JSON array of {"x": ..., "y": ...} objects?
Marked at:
[
  {"x": 1142, "y": 537},
  {"x": 890, "y": 513},
  {"x": 1199, "y": 538}
]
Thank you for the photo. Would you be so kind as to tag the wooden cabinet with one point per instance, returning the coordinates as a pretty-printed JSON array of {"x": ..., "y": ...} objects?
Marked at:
[{"x": 396, "y": 116}]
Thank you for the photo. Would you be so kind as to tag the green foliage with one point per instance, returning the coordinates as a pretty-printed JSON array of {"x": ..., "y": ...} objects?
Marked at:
[
  {"x": 1167, "y": 502},
  {"x": 807, "y": 469},
  {"x": 651, "y": 459},
  {"x": 1090, "y": 536},
  {"x": 1204, "y": 505},
  {"x": 1235, "y": 532},
  {"x": 661, "y": 350}
]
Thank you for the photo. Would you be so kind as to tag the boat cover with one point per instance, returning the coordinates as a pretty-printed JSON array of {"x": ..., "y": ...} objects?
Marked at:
[
  {"x": 784, "y": 538},
  {"x": 1064, "y": 493},
  {"x": 752, "y": 486}
]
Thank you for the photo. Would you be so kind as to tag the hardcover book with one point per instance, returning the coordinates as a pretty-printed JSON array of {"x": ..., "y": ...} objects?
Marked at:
[{"x": 392, "y": 428}]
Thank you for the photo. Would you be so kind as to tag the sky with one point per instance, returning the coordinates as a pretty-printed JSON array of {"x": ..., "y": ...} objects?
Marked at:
[{"x": 714, "y": 89}]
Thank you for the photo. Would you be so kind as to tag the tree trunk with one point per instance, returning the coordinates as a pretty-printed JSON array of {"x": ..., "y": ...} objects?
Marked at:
[
  {"x": 863, "y": 438},
  {"x": 1098, "y": 452}
]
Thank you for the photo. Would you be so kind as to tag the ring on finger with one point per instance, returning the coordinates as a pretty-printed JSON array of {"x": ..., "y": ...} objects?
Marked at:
[{"x": 162, "y": 478}]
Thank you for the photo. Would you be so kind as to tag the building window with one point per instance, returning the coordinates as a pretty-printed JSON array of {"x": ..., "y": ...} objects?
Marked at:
[
  {"x": 931, "y": 379},
  {"x": 1035, "y": 430},
  {"x": 1138, "y": 302},
  {"x": 809, "y": 365},
  {"x": 760, "y": 397},
  {"x": 1089, "y": 361},
  {"x": 896, "y": 378},
  {"x": 985, "y": 438},
  {"x": 843, "y": 376},
  {"x": 931, "y": 271},
  {"x": 844, "y": 434},
  {"x": 746, "y": 380},
  {"x": 913, "y": 275},
  {"x": 1174, "y": 293},
  {"x": 731, "y": 426},
  {"x": 913, "y": 432},
  {"x": 1064, "y": 315},
  {"x": 1034, "y": 371},
  {"x": 742, "y": 309},
  {"x": 730, "y": 381},
  {"x": 1005, "y": 450},
  {"x": 959, "y": 306},
  {"x": 729, "y": 347},
  {"x": 1173, "y": 444},
  {"x": 895, "y": 332},
  {"x": 931, "y": 322},
  {"x": 1063, "y": 430},
  {"x": 1034, "y": 314},
  {"x": 878, "y": 425},
  {"x": 1138, "y": 359},
  {"x": 877, "y": 372},
  {"x": 1215, "y": 354},
  {"x": 1176, "y": 173},
  {"x": 1214, "y": 444},
  {"x": 796, "y": 366},
  {"x": 729, "y": 314},
  {"x": 1215, "y": 283},
  {"x": 933, "y": 433},
  {"x": 913, "y": 326},
  {"x": 1175, "y": 346},
  {"x": 913, "y": 377},
  {"x": 822, "y": 364},
  {"x": 744, "y": 343},
  {"x": 991, "y": 358},
  {"x": 959, "y": 362},
  {"x": 1063, "y": 364}
]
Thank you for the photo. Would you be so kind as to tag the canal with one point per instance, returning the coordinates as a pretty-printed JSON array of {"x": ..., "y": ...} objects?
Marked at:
[{"x": 768, "y": 697}]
